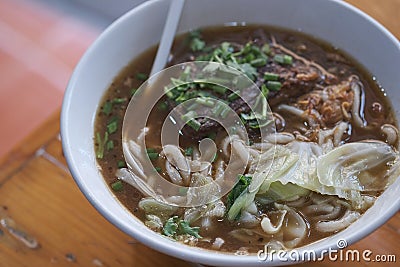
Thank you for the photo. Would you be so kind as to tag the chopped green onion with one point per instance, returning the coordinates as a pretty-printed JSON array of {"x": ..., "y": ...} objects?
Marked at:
[
  {"x": 192, "y": 106},
  {"x": 119, "y": 100},
  {"x": 177, "y": 82},
  {"x": 256, "y": 125},
  {"x": 258, "y": 62},
  {"x": 248, "y": 117},
  {"x": 151, "y": 150},
  {"x": 197, "y": 44},
  {"x": 212, "y": 135},
  {"x": 268, "y": 76},
  {"x": 133, "y": 91},
  {"x": 194, "y": 124},
  {"x": 157, "y": 169},
  {"x": 152, "y": 155},
  {"x": 249, "y": 58},
  {"x": 233, "y": 96},
  {"x": 189, "y": 151},
  {"x": 278, "y": 58},
  {"x": 169, "y": 92},
  {"x": 110, "y": 145},
  {"x": 205, "y": 101},
  {"x": 274, "y": 86},
  {"x": 182, "y": 190},
  {"x": 266, "y": 49},
  {"x": 141, "y": 76},
  {"x": 112, "y": 126},
  {"x": 117, "y": 186},
  {"x": 217, "y": 109},
  {"x": 283, "y": 59},
  {"x": 225, "y": 111},
  {"x": 288, "y": 59},
  {"x": 264, "y": 90},
  {"x": 101, "y": 144},
  {"x": 163, "y": 106},
  {"x": 188, "y": 116},
  {"x": 218, "y": 89},
  {"x": 107, "y": 108},
  {"x": 121, "y": 164}
]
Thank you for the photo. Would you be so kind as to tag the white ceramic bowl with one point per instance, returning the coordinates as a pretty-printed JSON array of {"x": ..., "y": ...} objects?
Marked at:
[{"x": 334, "y": 21}]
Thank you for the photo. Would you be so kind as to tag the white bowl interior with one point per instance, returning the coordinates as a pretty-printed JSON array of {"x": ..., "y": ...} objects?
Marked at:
[{"x": 331, "y": 20}]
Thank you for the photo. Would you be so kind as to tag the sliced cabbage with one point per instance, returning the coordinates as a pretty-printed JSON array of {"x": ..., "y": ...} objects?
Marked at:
[
  {"x": 346, "y": 171},
  {"x": 356, "y": 166}
]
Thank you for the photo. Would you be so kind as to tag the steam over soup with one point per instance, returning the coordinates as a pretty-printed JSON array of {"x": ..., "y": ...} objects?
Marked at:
[{"x": 334, "y": 150}]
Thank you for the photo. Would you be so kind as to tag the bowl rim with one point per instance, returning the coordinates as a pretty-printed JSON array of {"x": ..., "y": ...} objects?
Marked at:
[{"x": 164, "y": 245}]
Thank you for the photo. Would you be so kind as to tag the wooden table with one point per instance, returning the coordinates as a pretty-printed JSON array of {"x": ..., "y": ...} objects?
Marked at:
[{"x": 39, "y": 195}]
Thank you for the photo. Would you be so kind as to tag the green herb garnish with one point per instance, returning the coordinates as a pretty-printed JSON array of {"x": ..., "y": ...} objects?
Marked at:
[
  {"x": 112, "y": 126},
  {"x": 152, "y": 153},
  {"x": 283, "y": 59},
  {"x": 121, "y": 164},
  {"x": 268, "y": 76},
  {"x": 163, "y": 106},
  {"x": 175, "y": 227},
  {"x": 194, "y": 124},
  {"x": 264, "y": 90},
  {"x": 189, "y": 151},
  {"x": 107, "y": 108},
  {"x": 110, "y": 145},
  {"x": 117, "y": 186},
  {"x": 133, "y": 91},
  {"x": 119, "y": 100},
  {"x": 101, "y": 143},
  {"x": 274, "y": 85},
  {"x": 141, "y": 76}
]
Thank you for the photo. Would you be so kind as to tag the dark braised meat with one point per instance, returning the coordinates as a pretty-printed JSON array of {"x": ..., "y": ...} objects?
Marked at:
[{"x": 280, "y": 74}]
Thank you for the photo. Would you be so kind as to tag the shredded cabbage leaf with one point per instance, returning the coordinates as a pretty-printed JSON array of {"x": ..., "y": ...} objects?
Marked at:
[{"x": 347, "y": 171}]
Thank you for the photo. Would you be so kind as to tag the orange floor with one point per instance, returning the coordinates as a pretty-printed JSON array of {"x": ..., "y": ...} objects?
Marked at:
[{"x": 39, "y": 48}]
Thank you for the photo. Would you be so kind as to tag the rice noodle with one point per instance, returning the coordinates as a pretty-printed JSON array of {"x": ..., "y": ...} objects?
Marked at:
[
  {"x": 317, "y": 209},
  {"x": 293, "y": 110},
  {"x": 238, "y": 148},
  {"x": 218, "y": 242},
  {"x": 338, "y": 133},
  {"x": 333, "y": 226},
  {"x": 267, "y": 226},
  {"x": 248, "y": 220},
  {"x": 297, "y": 230},
  {"x": 196, "y": 154},
  {"x": 174, "y": 154},
  {"x": 391, "y": 133},
  {"x": 318, "y": 198},
  {"x": 280, "y": 138},
  {"x": 133, "y": 163},
  {"x": 357, "y": 88},
  {"x": 300, "y": 202},
  {"x": 131, "y": 178},
  {"x": 220, "y": 170},
  {"x": 173, "y": 174},
  {"x": 262, "y": 146},
  {"x": 334, "y": 214}
]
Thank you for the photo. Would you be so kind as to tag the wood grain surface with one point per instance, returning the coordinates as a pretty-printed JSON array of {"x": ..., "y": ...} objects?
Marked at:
[{"x": 38, "y": 197}]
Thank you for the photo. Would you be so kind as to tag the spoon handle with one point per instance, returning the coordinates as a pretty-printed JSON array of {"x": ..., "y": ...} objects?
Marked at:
[{"x": 168, "y": 35}]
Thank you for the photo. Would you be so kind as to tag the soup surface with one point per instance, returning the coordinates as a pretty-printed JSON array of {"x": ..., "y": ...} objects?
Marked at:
[{"x": 324, "y": 107}]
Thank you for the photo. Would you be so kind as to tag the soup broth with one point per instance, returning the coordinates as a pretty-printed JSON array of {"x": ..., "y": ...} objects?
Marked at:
[{"x": 313, "y": 90}]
